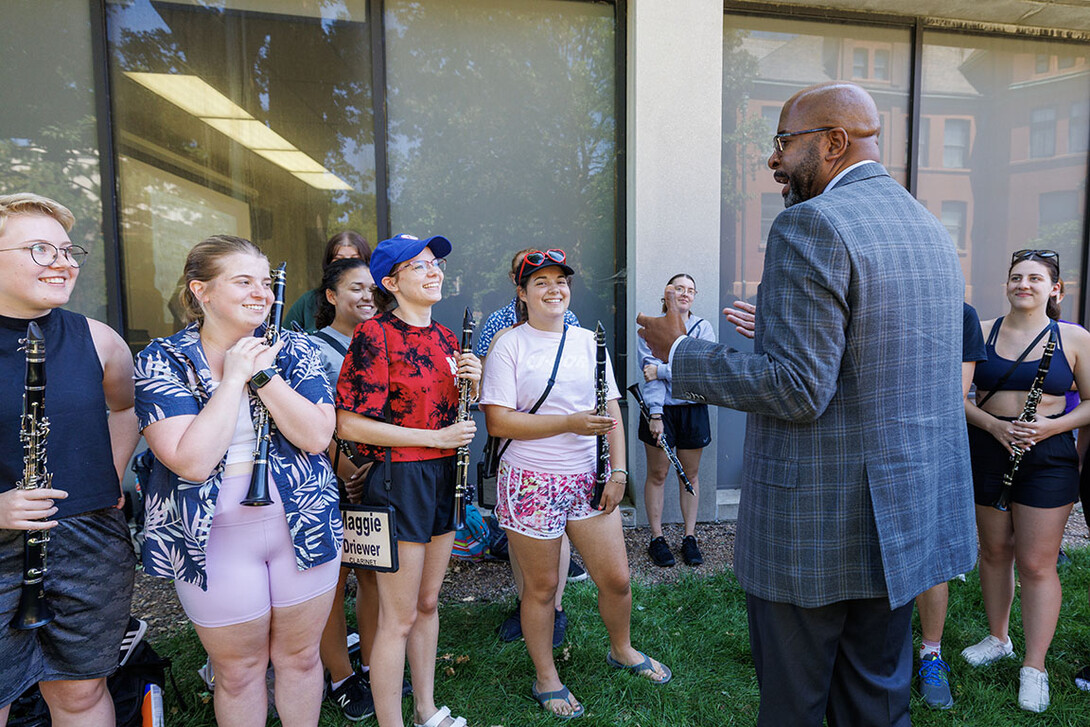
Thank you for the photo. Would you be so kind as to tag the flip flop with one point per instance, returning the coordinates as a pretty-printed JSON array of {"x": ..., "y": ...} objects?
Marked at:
[
  {"x": 437, "y": 719},
  {"x": 562, "y": 694},
  {"x": 645, "y": 668}
]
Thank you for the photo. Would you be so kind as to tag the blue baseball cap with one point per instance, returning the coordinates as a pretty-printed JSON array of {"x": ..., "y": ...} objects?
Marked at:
[{"x": 400, "y": 248}]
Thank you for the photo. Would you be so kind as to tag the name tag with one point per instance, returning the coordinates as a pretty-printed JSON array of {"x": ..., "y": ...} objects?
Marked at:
[{"x": 370, "y": 537}]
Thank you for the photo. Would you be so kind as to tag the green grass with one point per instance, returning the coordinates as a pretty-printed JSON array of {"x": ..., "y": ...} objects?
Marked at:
[{"x": 698, "y": 627}]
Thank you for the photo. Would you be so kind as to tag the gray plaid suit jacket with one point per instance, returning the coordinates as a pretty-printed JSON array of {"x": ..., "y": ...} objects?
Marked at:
[{"x": 856, "y": 477}]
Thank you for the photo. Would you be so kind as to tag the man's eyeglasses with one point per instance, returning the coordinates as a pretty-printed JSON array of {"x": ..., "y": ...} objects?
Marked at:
[
  {"x": 1027, "y": 254},
  {"x": 777, "y": 140},
  {"x": 45, "y": 253},
  {"x": 421, "y": 267},
  {"x": 537, "y": 258}
]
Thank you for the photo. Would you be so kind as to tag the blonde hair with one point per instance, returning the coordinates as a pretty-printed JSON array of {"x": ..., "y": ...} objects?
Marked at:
[
  {"x": 202, "y": 264},
  {"x": 25, "y": 203}
]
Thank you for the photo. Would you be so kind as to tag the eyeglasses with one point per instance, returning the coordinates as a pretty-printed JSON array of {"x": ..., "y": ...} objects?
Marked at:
[
  {"x": 777, "y": 140},
  {"x": 1043, "y": 254},
  {"x": 422, "y": 267},
  {"x": 537, "y": 258},
  {"x": 683, "y": 289},
  {"x": 45, "y": 253}
]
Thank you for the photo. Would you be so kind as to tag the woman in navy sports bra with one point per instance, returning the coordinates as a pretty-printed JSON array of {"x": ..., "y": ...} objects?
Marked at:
[{"x": 1047, "y": 480}]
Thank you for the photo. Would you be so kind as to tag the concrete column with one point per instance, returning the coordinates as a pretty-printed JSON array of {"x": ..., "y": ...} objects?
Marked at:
[{"x": 674, "y": 107}]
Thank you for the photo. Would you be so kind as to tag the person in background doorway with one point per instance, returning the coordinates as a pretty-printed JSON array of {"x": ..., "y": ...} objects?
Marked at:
[{"x": 342, "y": 246}]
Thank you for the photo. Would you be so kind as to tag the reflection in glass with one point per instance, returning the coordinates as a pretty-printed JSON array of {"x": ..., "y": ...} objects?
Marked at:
[
  {"x": 502, "y": 136},
  {"x": 48, "y": 136},
  {"x": 238, "y": 117},
  {"x": 1020, "y": 180}
]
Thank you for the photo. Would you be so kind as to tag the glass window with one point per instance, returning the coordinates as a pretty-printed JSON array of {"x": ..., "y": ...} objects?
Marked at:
[
  {"x": 860, "y": 63},
  {"x": 1078, "y": 130},
  {"x": 881, "y": 65},
  {"x": 49, "y": 129},
  {"x": 771, "y": 206},
  {"x": 953, "y": 218},
  {"x": 1011, "y": 201},
  {"x": 502, "y": 135},
  {"x": 765, "y": 61},
  {"x": 1042, "y": 133},
  {"x": 955, "y": 149},
  {"x": 1041, "y": 63},
  {"x": 232, "y": 120},
  {"x": 924, "y": 155}
]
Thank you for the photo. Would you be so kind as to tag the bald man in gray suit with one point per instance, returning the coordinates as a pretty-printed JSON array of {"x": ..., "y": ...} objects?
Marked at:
[{"x": 857, "y": 490}]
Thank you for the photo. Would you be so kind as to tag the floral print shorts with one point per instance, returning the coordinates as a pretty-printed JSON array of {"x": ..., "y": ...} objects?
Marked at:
[{"x": 540, "y": 504}]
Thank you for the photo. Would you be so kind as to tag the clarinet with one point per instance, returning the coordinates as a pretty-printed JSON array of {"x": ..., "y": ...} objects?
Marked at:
[
  {"x": 1029, "y": 412},
  {"x": 461, "y": 467},
  {"x": 600, "y": 393},
  {"x": 671, "y": 453},
  {"x": 258, "y": 494},
  {"x": 33, "y": 610}
]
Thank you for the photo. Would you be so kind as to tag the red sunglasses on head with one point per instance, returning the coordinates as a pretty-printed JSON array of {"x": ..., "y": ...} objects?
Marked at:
[{"x": 538, "y": 258}]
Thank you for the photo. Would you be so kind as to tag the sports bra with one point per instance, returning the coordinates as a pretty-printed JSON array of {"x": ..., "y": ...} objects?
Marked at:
[{"x": 1058, "y": 381}]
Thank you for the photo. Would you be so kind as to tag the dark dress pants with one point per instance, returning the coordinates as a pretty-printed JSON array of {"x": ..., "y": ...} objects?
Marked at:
[{"x": 850, "y": 662}]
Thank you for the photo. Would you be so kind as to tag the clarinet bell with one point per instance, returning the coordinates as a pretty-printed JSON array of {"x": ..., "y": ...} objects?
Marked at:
[{"x": 33, "y": 611}]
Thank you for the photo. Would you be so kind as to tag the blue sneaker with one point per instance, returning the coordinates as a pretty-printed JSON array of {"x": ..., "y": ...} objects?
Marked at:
[{"x": 935, "y": 682}]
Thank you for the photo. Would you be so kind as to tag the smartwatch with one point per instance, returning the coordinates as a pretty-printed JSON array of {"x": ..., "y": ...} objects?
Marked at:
[{"x": 263, "y": 377}]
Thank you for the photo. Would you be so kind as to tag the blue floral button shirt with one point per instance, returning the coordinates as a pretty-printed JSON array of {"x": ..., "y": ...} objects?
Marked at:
[{"x": 173, "y": 379}]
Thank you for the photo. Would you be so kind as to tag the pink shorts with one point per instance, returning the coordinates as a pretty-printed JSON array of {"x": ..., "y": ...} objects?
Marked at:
[
  {"x": 540, "y": 504},
  {"x": 250, "y": 563}
]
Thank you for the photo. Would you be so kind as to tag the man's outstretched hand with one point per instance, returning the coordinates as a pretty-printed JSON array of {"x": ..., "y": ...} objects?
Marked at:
[
  {"x": 661, "y": 332},
  {"x": 744, "y": 317}
]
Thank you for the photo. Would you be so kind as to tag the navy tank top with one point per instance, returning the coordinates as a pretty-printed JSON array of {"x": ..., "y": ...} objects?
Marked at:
[
  {"x": 1057, "y": 382},
  {"x": 78, "y": 449}
]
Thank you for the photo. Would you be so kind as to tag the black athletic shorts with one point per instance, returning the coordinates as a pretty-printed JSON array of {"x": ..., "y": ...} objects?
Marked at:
[
  {"x": 422, "y": 494},
  {"x": 90, "y": 569},
  {"x": 686, "y": 426},
  {"x": 1048, "y": 475}
]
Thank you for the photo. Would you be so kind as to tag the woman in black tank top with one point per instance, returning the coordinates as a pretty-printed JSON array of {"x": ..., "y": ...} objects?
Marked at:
[{"x": 1046, "y": 483}]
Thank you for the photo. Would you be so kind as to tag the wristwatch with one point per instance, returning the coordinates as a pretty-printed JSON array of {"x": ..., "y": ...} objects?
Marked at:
[{"x": 263, "y": 377}]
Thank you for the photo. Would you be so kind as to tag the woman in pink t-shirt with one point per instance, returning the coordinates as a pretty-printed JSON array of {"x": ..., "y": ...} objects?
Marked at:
[{"x": 547, "y": 473}]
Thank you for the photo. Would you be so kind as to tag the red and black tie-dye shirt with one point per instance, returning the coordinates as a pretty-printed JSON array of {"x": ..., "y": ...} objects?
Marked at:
[{"x": 420, "y": 374}]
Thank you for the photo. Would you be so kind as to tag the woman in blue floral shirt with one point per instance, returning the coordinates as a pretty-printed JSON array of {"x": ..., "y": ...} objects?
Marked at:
[{"x": 257, "y": 582}]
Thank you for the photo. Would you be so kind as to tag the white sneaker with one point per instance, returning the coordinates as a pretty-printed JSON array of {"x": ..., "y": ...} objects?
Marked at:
[
  {"x": 988, "y": 651},
  {"x": 1032, "y": 689}
]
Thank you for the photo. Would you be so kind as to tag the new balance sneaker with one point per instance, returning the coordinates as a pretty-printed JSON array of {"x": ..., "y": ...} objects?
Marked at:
[
  {"x": 1082, "y": 679},
  {"x": 1032, "y": 689},
  {"x": 690, "y": 551},
  {"x": 988, "y": 651},
  {"x": 354, "y": 698},
  {"x": 576, "y": 572},
  {"x": 660, "y": 553},
  {"x": 560, "y": 627},
  {"x": 511, "y": 628},
  {"x": 133, "y": 635},
  {"x": 935, "y": 682}
]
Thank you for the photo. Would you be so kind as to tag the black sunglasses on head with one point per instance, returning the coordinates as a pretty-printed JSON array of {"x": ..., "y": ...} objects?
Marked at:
[{"x": 1027, "y": 254}]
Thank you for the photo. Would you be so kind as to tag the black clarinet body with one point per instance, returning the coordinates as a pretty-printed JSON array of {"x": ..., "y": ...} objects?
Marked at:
[
  {"x": 33, "y": 610},
  {"x": 666, "y": 447},
  {"x": 1029, "y": 412},
  {"x": 258, "y": 494},
  {"x": 600, "y": 393},
  {"x": 461, "y": 461}
]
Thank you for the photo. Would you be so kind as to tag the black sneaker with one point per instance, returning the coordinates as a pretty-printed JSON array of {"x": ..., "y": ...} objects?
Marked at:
[
  {"x": 134, "y": 634},
  {"x": 354, "y": 699},
  {"x": 690, "y": 551},
  {"x": 511, "y": 628},
  {"x": 560, "y": 627},
  {"x": 576, "y": 572},
  {"x": 660, "y": 553}
]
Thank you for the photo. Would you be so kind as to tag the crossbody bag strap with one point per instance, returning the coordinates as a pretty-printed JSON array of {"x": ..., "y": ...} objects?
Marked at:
[
  {"x": 388, "y": 415},
  {"x": 1007, "y": 374},
  {"x": 333, "y": 342},
  {"x": 548, "y": 387}
]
